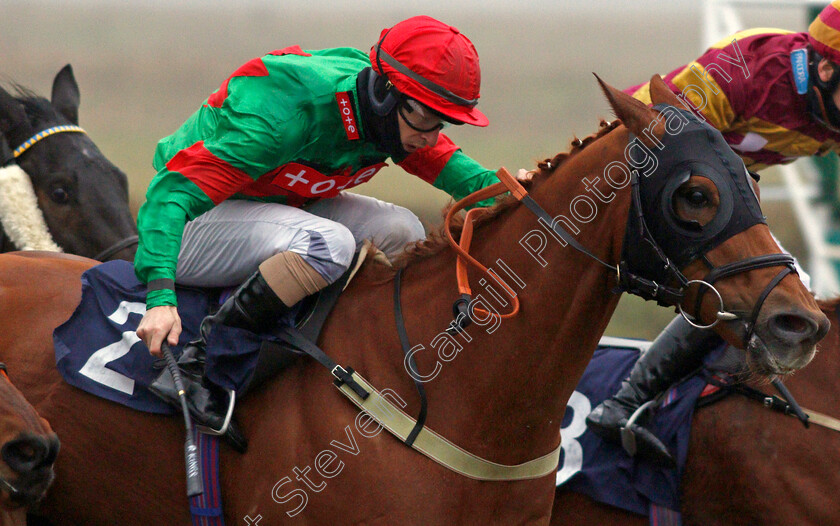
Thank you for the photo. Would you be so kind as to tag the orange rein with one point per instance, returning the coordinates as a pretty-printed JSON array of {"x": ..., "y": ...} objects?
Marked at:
[{"x": 508, "y": 184}]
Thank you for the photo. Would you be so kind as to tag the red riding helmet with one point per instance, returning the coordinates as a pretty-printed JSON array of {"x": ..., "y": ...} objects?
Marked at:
[{"x": 433, "y": 63}]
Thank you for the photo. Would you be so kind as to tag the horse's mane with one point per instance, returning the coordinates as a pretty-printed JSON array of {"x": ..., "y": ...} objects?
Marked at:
[
  {"x": 378, "y": 270},
  {"x": 37, "y": 108}
]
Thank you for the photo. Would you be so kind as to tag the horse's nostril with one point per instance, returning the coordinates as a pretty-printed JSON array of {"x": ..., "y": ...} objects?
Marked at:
[
  {"x": 28, "y": 453},
  {"x": 790, "y": 323},
  {"x": 793, "y": 328}
]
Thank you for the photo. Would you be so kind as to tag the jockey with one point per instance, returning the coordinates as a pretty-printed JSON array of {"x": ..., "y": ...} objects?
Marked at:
[
  {"x": 249, "y": 189},
  {"x": 774, "y": 96}
]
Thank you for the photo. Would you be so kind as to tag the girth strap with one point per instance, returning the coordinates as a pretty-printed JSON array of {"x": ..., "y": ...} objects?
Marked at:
[
  {"x": 426, "y": 441},
  {"x": 783, "y": 406},
  {"x": 293, "y": 338},
  {"x": 406, "y": 347},
  {"x": 440, "y": 449}
]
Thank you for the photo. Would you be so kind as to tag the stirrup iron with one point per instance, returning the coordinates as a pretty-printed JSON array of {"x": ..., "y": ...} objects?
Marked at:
[
  {"x": 628, "y": 437},
  {"x": 228, "y": 416}
]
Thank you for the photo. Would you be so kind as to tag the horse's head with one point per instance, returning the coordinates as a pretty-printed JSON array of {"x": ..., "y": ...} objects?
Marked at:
[
  {"x": 83, "y": 196},
  {"x": 696, "y": 236},
  {"x": 28, "y": 449}
]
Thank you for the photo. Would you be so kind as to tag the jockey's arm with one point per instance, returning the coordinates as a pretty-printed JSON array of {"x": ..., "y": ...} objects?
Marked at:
[
  {"x": 447, "y": 168},
  {"x": 191, "y": 181}
]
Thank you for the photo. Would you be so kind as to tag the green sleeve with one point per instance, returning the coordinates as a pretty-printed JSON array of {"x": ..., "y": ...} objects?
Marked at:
[
  {"x": 462, "y": 176},
  {"x": 171, "y": 201},
  {"x": 230, "y": 147}
]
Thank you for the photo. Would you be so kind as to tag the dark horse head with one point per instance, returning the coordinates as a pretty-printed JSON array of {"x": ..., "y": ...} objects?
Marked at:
[{"x": 82, "y": 195}]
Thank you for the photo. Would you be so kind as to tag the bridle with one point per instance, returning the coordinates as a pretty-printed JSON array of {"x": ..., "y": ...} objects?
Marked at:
[
  {"x": 116, "y": 247},
  {"x": 671, "y": 296},
  {"x": 43, "y": 134},
  {"x": 652, "y": 282},
  {"x": 72, "y": 128}
]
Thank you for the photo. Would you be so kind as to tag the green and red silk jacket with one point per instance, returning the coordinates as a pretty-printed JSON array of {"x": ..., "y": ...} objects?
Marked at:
[
  {"x": 748, "y": 91},
  {"x": 283, "y": 128}
]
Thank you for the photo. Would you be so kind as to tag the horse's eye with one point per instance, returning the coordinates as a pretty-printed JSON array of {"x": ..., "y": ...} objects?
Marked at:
[
  {"x": 697, "y": 198},
  {"x": 60, "y": 195}
]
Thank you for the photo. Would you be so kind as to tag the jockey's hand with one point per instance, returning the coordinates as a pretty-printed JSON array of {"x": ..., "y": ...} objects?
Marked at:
[
  {"x": 524, "y": 176},
  {"x": 159, "y": 323}
]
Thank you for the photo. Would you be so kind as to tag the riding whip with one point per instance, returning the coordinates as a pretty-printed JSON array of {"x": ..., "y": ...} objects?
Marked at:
[{"x": 194, "y": 483}]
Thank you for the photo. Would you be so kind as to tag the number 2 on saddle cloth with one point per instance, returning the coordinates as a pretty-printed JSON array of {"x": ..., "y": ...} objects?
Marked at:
[{"x": 97, "y": 349}]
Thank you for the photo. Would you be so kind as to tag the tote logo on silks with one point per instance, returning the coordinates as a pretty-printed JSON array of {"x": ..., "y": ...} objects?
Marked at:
[
  {"x": 799, "y": 61},
  {"x": 308, "y": 182},
  {"x": 348, "y": 116}
]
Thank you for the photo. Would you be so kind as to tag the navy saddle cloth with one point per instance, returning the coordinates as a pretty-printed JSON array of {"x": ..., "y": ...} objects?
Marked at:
[
  {"x": 97, "y": 349},
  {"x": 604, "y": 471}
]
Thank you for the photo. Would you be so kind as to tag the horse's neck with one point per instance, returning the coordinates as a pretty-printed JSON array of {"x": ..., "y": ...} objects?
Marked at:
[
  {"x": 512, "y": 378},
  {"x": 815, "y": 387}
]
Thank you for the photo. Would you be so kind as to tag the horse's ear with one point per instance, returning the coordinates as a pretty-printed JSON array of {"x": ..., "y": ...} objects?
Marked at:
[
  {"x": 635, "y": 115},
  {"x": 65, "y": 94},
  {"x": 660, "y": 93}
]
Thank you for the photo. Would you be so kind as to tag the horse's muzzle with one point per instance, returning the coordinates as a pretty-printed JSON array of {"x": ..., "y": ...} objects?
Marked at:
[
  {"x": 785, "y": 341},
  {"x": 30, "y": 452},
  {"x": 31, "y": 457}
]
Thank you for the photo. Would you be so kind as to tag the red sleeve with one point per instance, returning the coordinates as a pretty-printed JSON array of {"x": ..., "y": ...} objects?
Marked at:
[
  {"x": 429, "y": 162},
  {"x": 215, "y": 177}
]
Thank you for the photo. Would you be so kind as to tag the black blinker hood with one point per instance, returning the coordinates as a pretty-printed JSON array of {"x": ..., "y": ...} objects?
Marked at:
[{"x": 695, "y": 148}]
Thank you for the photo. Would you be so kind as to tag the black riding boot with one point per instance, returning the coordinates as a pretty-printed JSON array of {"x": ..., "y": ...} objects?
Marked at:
[
  {"x": 254, "y": 307},
  {"x": 675, "y": 353}
]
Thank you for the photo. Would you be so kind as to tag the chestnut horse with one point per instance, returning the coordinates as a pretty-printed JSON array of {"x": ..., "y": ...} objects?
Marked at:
[
  {"x": 748, "y": 465},
  {"x": 314, "y": 457},
  {"x": 60, "y": 191}
]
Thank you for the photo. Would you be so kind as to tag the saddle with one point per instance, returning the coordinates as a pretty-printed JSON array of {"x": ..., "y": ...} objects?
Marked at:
[{"x": 98, "y": 351}]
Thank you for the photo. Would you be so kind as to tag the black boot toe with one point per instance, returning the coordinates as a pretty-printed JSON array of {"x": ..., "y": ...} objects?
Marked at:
[
  {"x": 609, "y": 421},
  {"x": 208, "y": 407},
  {"x": 606, "y": 421},
  {"x": 192, "y": 360}
]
